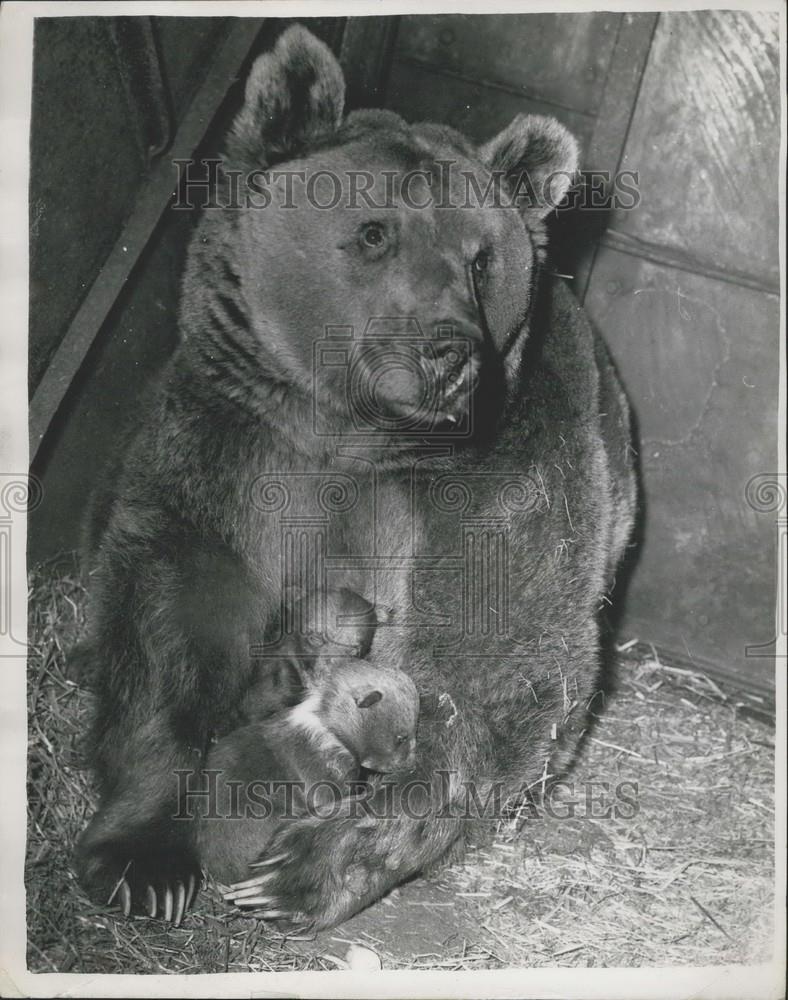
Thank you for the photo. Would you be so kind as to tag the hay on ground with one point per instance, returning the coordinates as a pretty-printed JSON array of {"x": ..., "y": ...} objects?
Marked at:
[{"x": 657, "y": 851}]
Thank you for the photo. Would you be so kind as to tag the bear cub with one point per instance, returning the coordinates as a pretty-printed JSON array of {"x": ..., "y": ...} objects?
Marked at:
[{"x": 354, "y": 716}]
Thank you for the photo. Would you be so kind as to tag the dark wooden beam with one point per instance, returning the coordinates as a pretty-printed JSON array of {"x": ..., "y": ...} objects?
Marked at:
[
  {"x": 152, "y": 200},
  {"x": 366, "y": 53},
  {"x": 616, "y": 109}
]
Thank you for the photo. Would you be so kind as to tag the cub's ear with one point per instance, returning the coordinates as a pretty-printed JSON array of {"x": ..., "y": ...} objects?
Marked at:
[
  {"x": 539, "y": 158},
  {"x": 295, "y": 93},
  {"x": 368, "y": 699}
]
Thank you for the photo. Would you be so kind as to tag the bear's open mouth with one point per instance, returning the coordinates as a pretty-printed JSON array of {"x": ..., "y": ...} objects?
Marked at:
[
  {"x": 455, "y": 378},
  {"x": 457, "y": 383}
]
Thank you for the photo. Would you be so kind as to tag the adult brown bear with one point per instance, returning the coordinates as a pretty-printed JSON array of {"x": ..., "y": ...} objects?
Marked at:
[{"x": 376, "y": 392}]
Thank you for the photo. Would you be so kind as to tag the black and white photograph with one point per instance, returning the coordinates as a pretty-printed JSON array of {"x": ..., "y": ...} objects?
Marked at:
[{"x": 393, "y": 499}]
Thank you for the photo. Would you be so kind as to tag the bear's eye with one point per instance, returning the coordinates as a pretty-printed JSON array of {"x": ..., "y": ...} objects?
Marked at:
[
  {"x": 402, "y": 738},
  {"x": 373, "y": 235},
  {"x": 481, "y": 262}
]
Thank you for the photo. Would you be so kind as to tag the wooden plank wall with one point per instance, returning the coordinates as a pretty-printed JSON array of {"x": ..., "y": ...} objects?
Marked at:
[{"x": 684, "y": 287}]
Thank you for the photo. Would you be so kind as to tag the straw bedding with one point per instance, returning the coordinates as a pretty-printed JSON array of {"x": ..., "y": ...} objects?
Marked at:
[{"x": 657, "y": 850}]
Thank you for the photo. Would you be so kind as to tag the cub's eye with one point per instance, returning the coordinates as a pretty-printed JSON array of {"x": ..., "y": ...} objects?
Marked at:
[
  {"x": 481, "y": 262},
  {"x": 402, "y": 738},
  {"x": 373, "y": 235}
]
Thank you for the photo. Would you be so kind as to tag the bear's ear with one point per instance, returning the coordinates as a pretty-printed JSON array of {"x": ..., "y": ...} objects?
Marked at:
[
  {"x": 539, "y": 158},
  {"x": 368, "y": 699},
  {"x": 295, "y": 93}
]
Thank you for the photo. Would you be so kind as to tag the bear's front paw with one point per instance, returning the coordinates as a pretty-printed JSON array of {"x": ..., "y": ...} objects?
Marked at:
[
  {"x": 159, "y": 883},
  {"x": 316, "y": 873}
]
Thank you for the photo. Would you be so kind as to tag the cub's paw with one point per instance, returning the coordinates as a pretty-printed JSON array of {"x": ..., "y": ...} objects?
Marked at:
[
  {"x": 315, "y": 873},
  {"x": 157, "y": 882}
]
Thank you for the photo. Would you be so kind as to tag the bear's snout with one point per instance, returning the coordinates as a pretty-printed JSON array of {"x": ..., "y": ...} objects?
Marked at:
[{"x": 413, "y": 382}]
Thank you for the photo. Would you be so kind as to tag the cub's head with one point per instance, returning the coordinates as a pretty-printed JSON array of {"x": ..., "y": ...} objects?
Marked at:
[
  {"x": 386, "y": 271},
  {"x": 335, "y": 620},
  {"x": 374, "y": 712}
]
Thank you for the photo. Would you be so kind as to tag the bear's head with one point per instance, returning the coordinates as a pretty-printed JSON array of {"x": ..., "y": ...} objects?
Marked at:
[{"x": 380, "y": 271}]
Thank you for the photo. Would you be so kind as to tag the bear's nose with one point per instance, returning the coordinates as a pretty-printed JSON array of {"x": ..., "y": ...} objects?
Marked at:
[
  {"x": 451, "y": 354},
  {"x": 456, "y": 328},
  {"x": 454, "y": 345}
]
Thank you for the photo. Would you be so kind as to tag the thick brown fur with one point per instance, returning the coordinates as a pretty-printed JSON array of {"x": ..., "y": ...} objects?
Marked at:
[{"x": 243, "y": 435}]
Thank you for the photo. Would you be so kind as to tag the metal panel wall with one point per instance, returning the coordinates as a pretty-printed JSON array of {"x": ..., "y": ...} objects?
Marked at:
[
  {"x": 686, "y": 292},
  {"x": 684, "y": 287}
]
